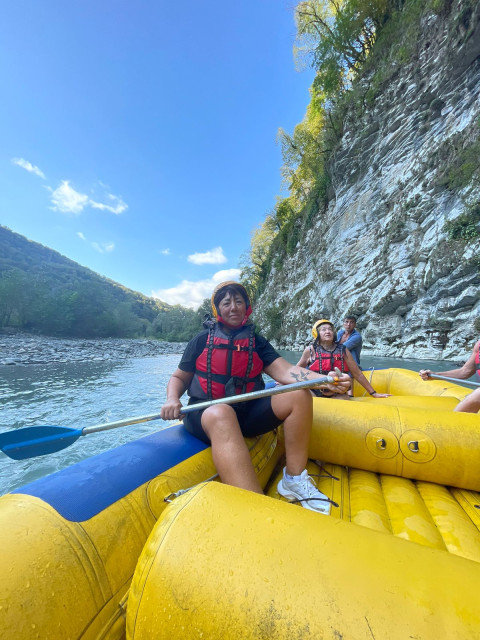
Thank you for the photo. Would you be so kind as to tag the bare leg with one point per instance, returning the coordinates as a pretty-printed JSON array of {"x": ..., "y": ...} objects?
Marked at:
[
  {"x": 296, "y": 411},
  {"x": 229, "y": 451},
  {"x": 470, "y": 404}
]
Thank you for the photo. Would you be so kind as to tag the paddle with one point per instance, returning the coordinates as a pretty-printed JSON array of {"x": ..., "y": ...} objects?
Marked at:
[
  {"x": 457, "y": 380},
  {"x": 29, "y": 442}
]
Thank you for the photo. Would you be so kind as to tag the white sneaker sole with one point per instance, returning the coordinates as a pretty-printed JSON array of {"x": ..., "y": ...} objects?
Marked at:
[{"x": 323, "y": 508}]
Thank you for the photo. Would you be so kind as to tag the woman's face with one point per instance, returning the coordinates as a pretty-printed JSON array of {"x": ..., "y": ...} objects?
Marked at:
[
  {"x": 325, "y": 333},
  {"x": 232, "y": 309}
]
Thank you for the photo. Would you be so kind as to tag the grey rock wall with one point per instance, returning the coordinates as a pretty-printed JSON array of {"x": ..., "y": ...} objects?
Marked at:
[{"x": 380, "y": 250}]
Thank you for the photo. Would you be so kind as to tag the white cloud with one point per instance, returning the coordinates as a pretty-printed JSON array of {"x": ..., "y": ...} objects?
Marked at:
[
  {"x": 103, "y": 247},
  {"x": 28, "y": 166},
  {"x": 165, "y": 252},
  {"x": 215, "y": 256},
  {"x": 67, "y": 200},
  {"x": 118, "y": 205},
  {"x": 192, "y": 294}
]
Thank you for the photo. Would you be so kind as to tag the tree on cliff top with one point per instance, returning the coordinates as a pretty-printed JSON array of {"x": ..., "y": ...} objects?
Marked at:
[{"x": 336, "y": 36}]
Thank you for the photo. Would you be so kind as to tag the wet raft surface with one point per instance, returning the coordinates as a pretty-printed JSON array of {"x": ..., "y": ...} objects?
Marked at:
[{"x": 422, "y": 512}]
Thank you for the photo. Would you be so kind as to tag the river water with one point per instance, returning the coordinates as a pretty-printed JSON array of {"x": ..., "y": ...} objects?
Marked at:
[{"x": 80, "y": 394}]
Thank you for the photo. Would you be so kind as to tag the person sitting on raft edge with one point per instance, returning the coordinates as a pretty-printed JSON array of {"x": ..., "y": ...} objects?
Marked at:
[
  {"x": 227, "y": 358},
  {"x": 471, "y": 403},
  {"x": 326, "y": 353},
  {"x": 351, "y": 337}
]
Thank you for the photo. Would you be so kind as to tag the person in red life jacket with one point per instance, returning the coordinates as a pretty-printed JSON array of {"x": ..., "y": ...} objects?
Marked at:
[
  {"x": 470, "y": 404},
  {"x": 228, "y": 358},
  {"x": 326, "y": 354}
]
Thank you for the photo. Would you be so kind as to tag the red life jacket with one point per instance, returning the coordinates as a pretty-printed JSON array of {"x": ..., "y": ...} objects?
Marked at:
[
  {"x": 228, "y": 365},
  {"x": 325, "y": 361}
]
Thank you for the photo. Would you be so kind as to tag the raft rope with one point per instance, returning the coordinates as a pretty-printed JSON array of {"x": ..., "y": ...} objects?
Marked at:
[
  {"x": 180, "y": 492},
  {"x": 299, "y": 500},
  {"x": 322, "y": 468},
  {"x": 372, "y": 369},
  {"x": 326, "y": 473}
]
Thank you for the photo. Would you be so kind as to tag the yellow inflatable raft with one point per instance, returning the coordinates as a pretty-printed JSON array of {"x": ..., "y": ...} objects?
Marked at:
[{"x": 137, "y": 543}]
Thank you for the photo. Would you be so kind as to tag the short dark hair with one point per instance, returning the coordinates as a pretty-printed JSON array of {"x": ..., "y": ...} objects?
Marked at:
[
  {"x": 350, "y": 318},
  {"x": 232, "y": 289}
]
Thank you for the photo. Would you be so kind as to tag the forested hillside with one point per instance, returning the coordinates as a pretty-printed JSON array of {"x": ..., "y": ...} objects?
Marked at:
[{"x": 42, "y": 291}]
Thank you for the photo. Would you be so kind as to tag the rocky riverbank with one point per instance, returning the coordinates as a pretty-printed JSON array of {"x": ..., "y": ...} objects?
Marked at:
[{"x": 31, "y": 349}]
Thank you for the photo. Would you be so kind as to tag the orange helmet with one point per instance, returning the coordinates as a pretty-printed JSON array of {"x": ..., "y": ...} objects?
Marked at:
[{"x": 235, "y": 285}]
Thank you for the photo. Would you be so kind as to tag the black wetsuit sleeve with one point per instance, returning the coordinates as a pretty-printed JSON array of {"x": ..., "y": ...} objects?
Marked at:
[
  {"x": 193, "y": 349},
  {"x": 265, "y": 350}
]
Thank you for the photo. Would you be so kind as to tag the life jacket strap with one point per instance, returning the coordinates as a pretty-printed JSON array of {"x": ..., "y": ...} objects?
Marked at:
[{"x": 231, "y": 347}]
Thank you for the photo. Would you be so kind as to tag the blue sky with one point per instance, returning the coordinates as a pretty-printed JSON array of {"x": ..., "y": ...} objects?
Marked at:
[{"x": 138, "y": 138}]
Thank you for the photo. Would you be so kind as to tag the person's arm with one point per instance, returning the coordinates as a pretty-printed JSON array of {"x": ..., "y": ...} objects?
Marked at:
[
  {"x": 360, "y": 378},
  {"x": 305, "y": 359},
  {"x": 353, "y": 342},
  {"x": 176, "y": 387},
  {"x": 463, "y": 373},
  {"x": 282, "y": 371}
]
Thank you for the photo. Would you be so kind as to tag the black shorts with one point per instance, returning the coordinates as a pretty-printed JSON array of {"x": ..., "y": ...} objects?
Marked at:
[
  {"x": 322, "y": 393},
  {"x": 254, "y": 417}
]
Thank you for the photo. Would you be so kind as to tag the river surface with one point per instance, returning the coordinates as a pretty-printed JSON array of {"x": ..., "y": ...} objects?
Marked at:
[{"x": 80, "y": 394}]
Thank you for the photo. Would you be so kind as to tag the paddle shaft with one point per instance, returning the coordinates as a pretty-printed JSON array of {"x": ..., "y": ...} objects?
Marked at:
[
  {"x": 457, "y": 380},
  {"x": 243, "y": 397},
  {"x": 29, "y": 442}
]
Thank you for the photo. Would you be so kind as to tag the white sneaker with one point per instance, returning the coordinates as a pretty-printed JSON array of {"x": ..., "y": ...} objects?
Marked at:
[{"x": 305, "y": 492}]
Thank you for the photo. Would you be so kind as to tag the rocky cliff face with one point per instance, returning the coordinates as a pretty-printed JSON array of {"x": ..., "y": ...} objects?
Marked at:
[{"x": 405, "y": 168}]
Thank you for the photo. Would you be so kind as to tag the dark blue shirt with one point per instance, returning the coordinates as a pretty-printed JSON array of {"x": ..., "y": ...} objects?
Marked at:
[{"x": 353, "y": 344}]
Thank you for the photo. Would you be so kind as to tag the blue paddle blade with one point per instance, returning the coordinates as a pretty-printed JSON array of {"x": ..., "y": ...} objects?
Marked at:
[{"x": 30, "y": 442}]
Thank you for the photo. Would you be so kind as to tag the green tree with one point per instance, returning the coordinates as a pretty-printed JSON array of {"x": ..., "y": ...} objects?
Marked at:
[
  {"x": 15, "y": 291},
  {"x": 55, "y": 315},
  {"x": 204, "y": 309},
  {"x": 252, "y": 263},
  {"x": 303, "y": 158},
  {"x": 336, "y": 36},
  {"x": 177, "y": 324}
]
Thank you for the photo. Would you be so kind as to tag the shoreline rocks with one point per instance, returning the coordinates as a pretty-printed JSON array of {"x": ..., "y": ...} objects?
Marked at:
[{"x": 31, "y": 349}]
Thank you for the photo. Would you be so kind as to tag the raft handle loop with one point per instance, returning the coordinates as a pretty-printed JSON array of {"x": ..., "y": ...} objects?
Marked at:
[
  {"x": 171, "y": 496},
  {"x": 413, "y": 446},
  {"x": 180, "y": 492}
]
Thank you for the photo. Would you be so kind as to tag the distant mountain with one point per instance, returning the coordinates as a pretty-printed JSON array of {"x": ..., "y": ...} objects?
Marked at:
[{"x": 43, "y": 291}]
